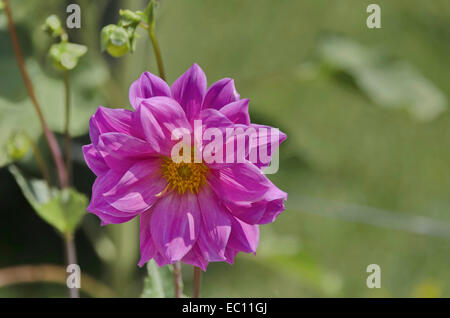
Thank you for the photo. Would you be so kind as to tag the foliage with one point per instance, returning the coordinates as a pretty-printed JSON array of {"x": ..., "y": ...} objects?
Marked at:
[{"x": 63, "y": 209}]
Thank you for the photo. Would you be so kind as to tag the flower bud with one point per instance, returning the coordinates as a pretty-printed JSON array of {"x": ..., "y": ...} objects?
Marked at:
[
  {"x": 17, "y": 146},
  {"x": 65, "y": 55},
  {"x": 130, "y": 18},
  {"x": 115, "y": 40},
  {"x": 53, "y": 26}
]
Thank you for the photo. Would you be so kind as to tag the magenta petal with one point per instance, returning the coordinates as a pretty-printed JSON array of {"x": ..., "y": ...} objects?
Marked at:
[
  {"x": 189, "y": 90},
  {"x": 100, "y": 207},
  {"x": 110, "y": 120},
  {"x": 263, "y": 149},
  {"x": 157, "y": 118},
  {"x": 216, "y": 226},
  {"x": 260, "y": 212},
  {"x": 136, "y": 190},
  {"x": 249, "y": 212},
  {"x": 237, "y": 112},
  {"x": 175, "y": 224},
  {"x": 195, "y": 258},
  {"x": 148, "y": 85},
  {"x": 220, "y": 94},
  {"x": 212, "y": 118},
  {"x": 121, "y": 151},
  {"x": 94, "y": 160},
  {"x": 148, "y": 249},
  {"x": 240, "y": 182},
  {"x": 273, "y": 209},
  {"x": 244, "y": 237},
  {"x": 230, "y": 254},
  {"x": 109, "y": 219},
  {"x": 94, "y": 131}
]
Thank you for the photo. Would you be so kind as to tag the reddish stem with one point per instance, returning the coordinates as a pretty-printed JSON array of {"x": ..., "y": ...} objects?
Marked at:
[{"x": 50, "y": 137}]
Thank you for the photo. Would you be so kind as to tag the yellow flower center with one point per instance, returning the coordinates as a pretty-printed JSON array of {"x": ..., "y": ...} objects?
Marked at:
[{"x": 184, "y": 175}]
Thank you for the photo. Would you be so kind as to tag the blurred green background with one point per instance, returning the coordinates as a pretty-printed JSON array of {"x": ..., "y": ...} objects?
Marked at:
[{"x": 366, "y": 163}]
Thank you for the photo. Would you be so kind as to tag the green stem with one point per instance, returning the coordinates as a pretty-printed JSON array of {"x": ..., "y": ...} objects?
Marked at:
[
  {"x": 67, "y": 146},
  {"x": 156, "y": 49},
  {"x": 177, "y": 280}
]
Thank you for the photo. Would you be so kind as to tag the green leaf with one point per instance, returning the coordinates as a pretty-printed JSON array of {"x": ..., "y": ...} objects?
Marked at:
[
  {"x": 17, "y": 112},
  {"x": 63, "y": 209},
  {"x": 159, "y": 282},
  {"x": 149, "y": 15},
  {"x": 387, "y": 82}
]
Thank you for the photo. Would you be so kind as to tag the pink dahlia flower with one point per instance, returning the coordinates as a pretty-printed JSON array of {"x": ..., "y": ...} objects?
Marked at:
[{"x": 195, "y": 211}]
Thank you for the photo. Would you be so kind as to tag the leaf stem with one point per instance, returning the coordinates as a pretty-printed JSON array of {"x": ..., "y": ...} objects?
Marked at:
[
  {"x": 67, "y": 147},
  {"x": 197, "y": 281},
  {"x": 50, "y": 137},
  {"x": 178, "y": 280},
  {"x": 71, "y": 257}
]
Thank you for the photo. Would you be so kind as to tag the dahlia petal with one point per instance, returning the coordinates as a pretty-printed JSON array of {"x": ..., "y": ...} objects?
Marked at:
[
  {"x": 262, "y": 149},
  {"x": 260, "y": 212},
  {"x": 189, "y": 90},
  {"x": 212, "y": 118},
  {"x": 244, "y": 237},
  {"x": 216, "y": 226},
  {"x": 109, "y": 219},
  {"x": 100, "y": 207},
  {"x": 137, "y": 188},
  {"x": 120, "y": 151},
  {"x": 113, "y": 120},
  {"x": 148, "y": 85},
  {"x": 273, "y": 209},
  {"x": 94, "y": 131},
  {"x": 240, "y": 182},
  {"x": 94, "y": 160},
  {"x": 157, "y": 118},
  {"x": 237, "y": 112},
  {"x": 148, "y": 249},
  {"x": 230, "y": 254},
  {"x": 161, "y": 260},
  {"x": 220, "y": 94},
  {"x": 175, "y": 224},
  {"x": 195, "y": 258},
  {"x": 248, "y": 212}
]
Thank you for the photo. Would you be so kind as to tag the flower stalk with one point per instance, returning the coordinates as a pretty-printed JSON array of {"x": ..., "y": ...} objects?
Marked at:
[
  {"x": 49, "y": 136},
  {"x": 156, "y": 49},
  {"x": 67, "y": 147},
  {"x": 197, "y": 281},
  {"x": 71, "y": 257},
  {"x": 178, "y": 280}
]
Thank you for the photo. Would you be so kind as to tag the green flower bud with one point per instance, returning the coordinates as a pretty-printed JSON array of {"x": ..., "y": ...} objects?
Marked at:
[
  {"x": 65, "y": 55},
  {"x": 130, "y": 18},
  {"x": 115, "y": 40},
  {"x": 17, "y": 146},
  {"x": 53, "y": 26},
  {"x": 2, "y": 5}
]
